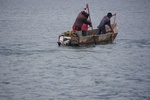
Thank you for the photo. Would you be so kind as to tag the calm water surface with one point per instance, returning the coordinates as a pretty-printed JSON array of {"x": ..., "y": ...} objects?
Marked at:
[{"x": 33, "y": 67}]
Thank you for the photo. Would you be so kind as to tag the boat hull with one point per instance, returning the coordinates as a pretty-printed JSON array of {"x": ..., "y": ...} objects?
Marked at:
[{"x": 79, "y": 38}]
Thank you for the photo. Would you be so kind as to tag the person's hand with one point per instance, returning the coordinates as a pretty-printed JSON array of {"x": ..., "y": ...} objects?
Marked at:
[
  {"x": 86, "y": 5},
  {"x": 114, "y": 14},
  {"x": 112, "y": 30},
  {"x": 90, "y": 24}
]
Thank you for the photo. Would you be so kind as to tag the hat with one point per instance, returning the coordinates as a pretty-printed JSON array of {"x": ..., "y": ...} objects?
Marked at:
[{"x": 109, "y": 14}]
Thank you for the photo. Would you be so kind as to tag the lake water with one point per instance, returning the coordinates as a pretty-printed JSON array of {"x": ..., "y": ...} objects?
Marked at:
[{"x": 34, "y": 67}]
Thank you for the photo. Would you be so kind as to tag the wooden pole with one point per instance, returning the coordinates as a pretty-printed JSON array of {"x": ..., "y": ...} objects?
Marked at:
[
  {"x": 87, "y": 6},
  {"x": 113, "y": 34}
]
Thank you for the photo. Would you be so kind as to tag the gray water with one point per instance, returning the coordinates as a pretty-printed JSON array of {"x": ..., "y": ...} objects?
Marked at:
[{"x": 33, "y": 67}]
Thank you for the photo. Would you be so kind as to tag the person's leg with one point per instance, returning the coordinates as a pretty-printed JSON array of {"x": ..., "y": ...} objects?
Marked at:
[
  {"x": 99, "y": 31},
  {"x": 84, "y": 33},
  {"x": 103, "y": 30}
]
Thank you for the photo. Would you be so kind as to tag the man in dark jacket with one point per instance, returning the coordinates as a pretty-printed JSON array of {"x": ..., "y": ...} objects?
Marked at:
[
  {"x": 105, "y": 21},
  {"x": 81, "y": 19}
]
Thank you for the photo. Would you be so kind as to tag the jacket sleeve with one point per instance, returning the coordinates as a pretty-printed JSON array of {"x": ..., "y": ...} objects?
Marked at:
[{"x": 87, "y": 22}]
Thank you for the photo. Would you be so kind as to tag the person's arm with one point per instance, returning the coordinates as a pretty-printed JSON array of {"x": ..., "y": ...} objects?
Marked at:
[
  {"x": 109, "y": 24},
  {"x": 114, "y": 14},
  {"x": 111, "y": 28},
  {"x": 88, "y": 22}
]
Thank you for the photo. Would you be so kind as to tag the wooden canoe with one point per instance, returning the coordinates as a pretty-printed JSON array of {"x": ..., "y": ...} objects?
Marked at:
[{"x": 77, "y": 38}]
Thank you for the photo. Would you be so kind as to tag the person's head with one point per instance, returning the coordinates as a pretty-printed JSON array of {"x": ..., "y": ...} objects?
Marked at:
[{"x": 109, "y": 14}]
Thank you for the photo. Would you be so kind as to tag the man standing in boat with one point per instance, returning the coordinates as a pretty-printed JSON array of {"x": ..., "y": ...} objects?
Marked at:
[
  {"x": 105, "y": 21},
  {"x": 81, "y": 19}
]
